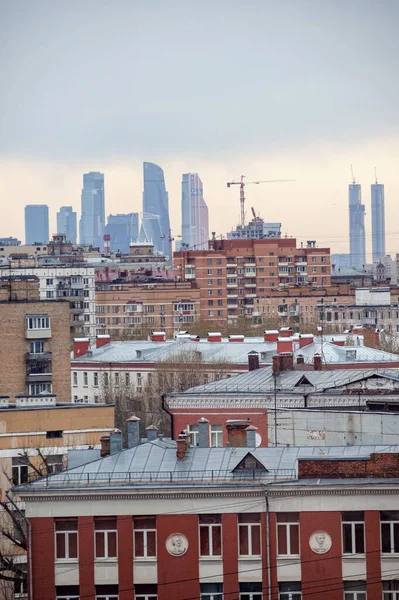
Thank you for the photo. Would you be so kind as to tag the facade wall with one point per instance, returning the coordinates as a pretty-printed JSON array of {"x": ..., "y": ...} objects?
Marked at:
[{"x": 15, "y": 347}]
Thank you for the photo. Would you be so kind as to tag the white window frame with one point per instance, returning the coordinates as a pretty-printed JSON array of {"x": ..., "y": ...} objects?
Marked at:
[
  {"x": 216, "y": 436},
  {"x": 116, "y": 379},
  {"x": 38, "y": 322},
  {"x": 37, "y": 388},
  {"x": 107, "y": 597},
  {"x": 194, "y": 434},
  {"x": 85, "y": 379},
  {"x": 145, "y": 533},
  {"x": 67, "y": 558},
  {"x": 355, "y": 595},
  {"x": 287, "y": 527},
  {"x": 210, "y": 527},
  {"x": 146, "y": 596},
  {"x": 353, "y": 538},
  {"x": 392, "y": 538},
  {"x": 139, "y": 382},
  {"x": 106, "y": 533},
  {"x": 36, "y": 347},
  {"x": 95, "y": 379},
  {"x": 249, "y": 534}
]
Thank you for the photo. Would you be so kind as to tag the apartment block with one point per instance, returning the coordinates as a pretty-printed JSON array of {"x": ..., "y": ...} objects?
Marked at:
[{"x": 233, "y": 274}]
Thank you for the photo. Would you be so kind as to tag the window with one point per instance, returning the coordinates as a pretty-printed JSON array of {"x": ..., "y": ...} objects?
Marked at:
[
  {"x": 355, "y": 590},
  {"x": 116, "y": 378},
  {"x": 209, "y": 261},
  {"x": 210, "y": 281},
  {"x": 389, "y": 532},
  {"x": 36, "y": 347},
  {"x": 353, "y": 532},
  {"x": 49, "y": 282},
  {"x": 218, "y": 261},
  {"x": 19, "y": 471},
  {"x": 193, "y": 431},
  {"x": 49, "y": 294},
  {"x": 54, "y": 434},
  {"x": 210, "y": 272},
  {"x": 139, "y": 382},
  {"x": 150, "y": 308},
  {"x": 106, "y": 379},
  {"x": 210, "y": 292},
  {"x": 145, "y": 538},
  {"x": 107, "y": 592},
  {"x": 147, "y": 591},
  {"x": 210, "y": 535},
  {"x": 287, "y": 534},
  {"x": 66, "y": 539},
  {"x": 95, "y": 379},
  {"x": 219, "y": 272},
  {"x": 75, "y": 398},
  {"x": 67, "y": 592},
  {"x": 37, "y": 388},
  {"x": 105, "y": 538},
  {"x": 314, "y": 259},
  {"x": 21, "y": 588},
  {"x": 390, "y": 590},
  {"x": 85, "y": 379},
  {"x": 251, "y": 591},
  {"x": 75, "y": 378},
  {"x": 219, "y": 282},
  {"x": 216, "y": 436},
  {"x": 55, "y": 463},
  {"x": 39, "y": 322},
  {"x": 210, "y": 302},
  {"x": 290, "y": 590},
  {"x": 249, "y": 534},
  {"x": 127, "y": 379},
  {"x": 211, "y": 591}
]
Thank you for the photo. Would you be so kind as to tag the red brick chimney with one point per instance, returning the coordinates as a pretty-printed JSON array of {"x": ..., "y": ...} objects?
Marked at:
[
  {"x": 270, "y": 335},
  {"x": 158, "y": 336},
  {"x": 317, "y": 363},
  {"x": 253, "y": 360},
  {"x": 286, "y": 361},
  {"x": 236, "y": 338},
  {"x": 102, "y": 340},
  {"x": 276, "y": 364},
  {"x": 182, "y": 445},
  {"x": 80, "y": 347},
  {"x": 286, "y": 332},
  {"x": 305, "y": 339},
  {"x": 214, "y": 336},
  {"x": 284, "y": 344}
]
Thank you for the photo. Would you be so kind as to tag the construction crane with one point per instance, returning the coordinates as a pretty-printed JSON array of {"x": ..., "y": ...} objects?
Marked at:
[{"x": 242, "y": 185}]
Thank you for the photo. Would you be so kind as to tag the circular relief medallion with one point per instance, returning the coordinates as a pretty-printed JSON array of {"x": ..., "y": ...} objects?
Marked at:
[
  {"x": 320, "y": 542},
  {"x": 177, "y": 544}
]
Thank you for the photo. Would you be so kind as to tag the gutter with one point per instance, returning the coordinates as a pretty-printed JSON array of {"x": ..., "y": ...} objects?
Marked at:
[
  {"x": 269, "y": 584},
  {"x": 30, "y": 569},
  {"x": 163, "y": 398}
]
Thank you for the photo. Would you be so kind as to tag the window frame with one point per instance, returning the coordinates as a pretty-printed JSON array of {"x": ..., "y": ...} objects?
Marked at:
[
  {"x": 106, "y": 533},
  {"x": 288, "y": 536},
  {"x": 211, "y": 533},
  {"x": 144, "y": 531},
  {"x": 249, "y": 526},
  {"x": 66, "y": 533},
  {"x": 352, "y": 524},
  {"x": 393, "y": 524}
]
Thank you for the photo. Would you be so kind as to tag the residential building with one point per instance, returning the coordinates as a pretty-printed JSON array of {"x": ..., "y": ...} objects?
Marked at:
[
  {"x": 36, "y": 224},
  {"x": 129, "y": 310},
  {"x": 357, "y": 236},
  {"x": 34, "y": 353},
  {"x": 7, "y": 250},
  {"x": 122, "y": 229},
  {"x": 233, "y": 274},
  {"x": 256, "y": 229},
  {"x": 76, "y": 284},
  {"x": 9, "y": 241},
  {"x": 92, "y": 220},
  {"x": 378, "y": 221},
  {"x": 156, "y": 224},
  {"x": 164, "y": 520},
  {"x": 195, "y": 219},
  {"x": 67, "y": 223}
]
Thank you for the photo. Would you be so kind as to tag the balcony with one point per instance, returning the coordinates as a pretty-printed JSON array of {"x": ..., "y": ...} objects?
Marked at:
[
  {"x": 231, "y": 263},
  {"x": 231, "y": 286},
  {"x": 229, "y": 274},
  {"x": 250, "y": 264},
  {"x": 39, "y": 377},
  {"x": 250, "y": 295},
  {"x": 250, "y": 285},
  {"x": 189, "y": 274},
  {"x": 38, "y": 357},
  {"x": 38, "y": 334},
  {"x": 232, "y": 296},
  {"x": 231, "y": 304},
  {"x": 250, "y": 273}
]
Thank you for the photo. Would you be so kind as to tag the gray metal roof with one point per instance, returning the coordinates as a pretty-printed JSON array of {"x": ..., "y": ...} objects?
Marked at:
[{"x": 155, "y": 463}]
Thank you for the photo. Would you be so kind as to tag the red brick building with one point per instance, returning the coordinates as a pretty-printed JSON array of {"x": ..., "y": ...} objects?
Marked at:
[{"x": 163, "y": 520}]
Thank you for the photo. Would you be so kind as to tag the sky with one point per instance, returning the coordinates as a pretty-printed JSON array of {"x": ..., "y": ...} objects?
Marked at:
[{"x": 271, "y": 89}]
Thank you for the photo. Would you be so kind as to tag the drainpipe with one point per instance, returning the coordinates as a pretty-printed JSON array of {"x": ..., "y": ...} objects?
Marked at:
[
  {"x": 163, "y": 397},
  {"x": 30, "y": 570},
  {"x": 269, "y": 583}
]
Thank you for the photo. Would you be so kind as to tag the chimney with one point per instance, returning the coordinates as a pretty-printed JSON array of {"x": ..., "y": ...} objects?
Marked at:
[
  {"x": 236, "y": 338},
  {"x": 284, "y": 344},
  {"x": 276, "y": 364},
  {"x": 286, "y": 361},
  {"x": 152, "y": 433},
  {"x": 158, "y": 336},
  {"x": 305, "y": 339},
  {"x": 214, "y": 336},
  {"x": 236, "y": 433},
  {"x": 203, "y": 433},
  {"x": 102, "y": 340},
  {"x": 133, "y": 432},
  {"x": 115, "y": 442},
  {"x": 105, "y": 446},
  {"x": 251, "y": 436},
  {"x": 253, "y": 360},
  {"x": 270, "y": 335},
  {"x": 80, "y": 347},
  {"x": 286, "y": 332},
  {"x": 300, "y": 359},
  {"x": 317, "y": 364},
  {"x": 182, "y": 446}
]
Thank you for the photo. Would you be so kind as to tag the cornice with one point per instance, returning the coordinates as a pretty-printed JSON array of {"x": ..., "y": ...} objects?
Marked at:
[{"x": 358, "y": 491}]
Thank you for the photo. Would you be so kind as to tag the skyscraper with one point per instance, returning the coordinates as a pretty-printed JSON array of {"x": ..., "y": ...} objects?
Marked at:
[
  {"x": 156, "y": 208},
  {"x": 123, "y": 229},
  {"x": 92, "y": 221},
  {"x": 67, "y": 223},
  {"x": 378, "y": 220},
  {"x": 36, "y": 224},
  {"x": 195, "y": 222},
  {"x": 357, "y": 240}
]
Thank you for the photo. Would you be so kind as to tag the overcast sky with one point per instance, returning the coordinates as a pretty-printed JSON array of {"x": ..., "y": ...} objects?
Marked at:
[{"x": 267, "y": 88}]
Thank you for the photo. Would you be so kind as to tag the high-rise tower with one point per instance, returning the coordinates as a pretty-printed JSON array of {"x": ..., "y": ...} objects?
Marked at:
[
  {"x": 357, "y": 239},
  {"x": 123, "y": 229},
  {"x": 92, "y": 221},
  {"x": 378, "y": 220},
  {"x": 156, "y": 208},
  {"x": 195, "y": 221},
  {"x": 36, "y": 224},
  {"x": 66, "y": 223}
]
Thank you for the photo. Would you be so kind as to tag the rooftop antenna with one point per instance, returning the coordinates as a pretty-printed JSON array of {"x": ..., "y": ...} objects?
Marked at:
[
  {"x": 375, "y": 174},
  {"x": 353, "y": 176}
]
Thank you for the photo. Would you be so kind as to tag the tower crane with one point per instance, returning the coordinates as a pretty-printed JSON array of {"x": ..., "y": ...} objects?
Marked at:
[{"x": 242, "y": 185}]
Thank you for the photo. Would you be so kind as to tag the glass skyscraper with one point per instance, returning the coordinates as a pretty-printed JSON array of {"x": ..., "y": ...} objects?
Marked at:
[
  {"x": 122, "y": 229},
  {"x": 357, "y": 239},
  {"x": 195, "y": 221},
  {"x": 67, "y": 223},
  {"x": 156, "y": 224},
  {"x": 378, "y": 220},
  {"x": 36, "y": 224},
  {"x": 92, "y": 220}
]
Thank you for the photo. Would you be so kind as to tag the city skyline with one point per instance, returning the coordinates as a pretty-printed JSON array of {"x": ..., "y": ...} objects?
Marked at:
[
  {"x": 36, "y": 224},
  {"x": 155, "y": 226},
  {"x": 378, "y": 220},
  {"x": 194, "y": 213},
  {"x": 92, "y": 217},
  {"x": 67, "y": 223},
  {"x": 357, "y": 234}
]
